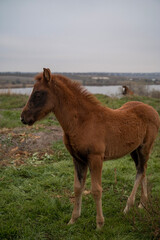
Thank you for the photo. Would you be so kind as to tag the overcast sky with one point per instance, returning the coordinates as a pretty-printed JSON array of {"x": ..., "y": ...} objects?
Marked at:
[{"x": 80, "y": 35}]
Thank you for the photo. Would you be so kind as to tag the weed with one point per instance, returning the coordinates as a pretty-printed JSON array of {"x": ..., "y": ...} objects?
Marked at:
[
  {"x": 6, "y": 141},
  {"x": 146, "y": 222}
]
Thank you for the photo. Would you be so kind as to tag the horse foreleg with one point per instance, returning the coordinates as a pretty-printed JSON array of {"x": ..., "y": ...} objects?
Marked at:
[
  {"x": 95, "y": 166},
  {"x": 80, "y": 173}
]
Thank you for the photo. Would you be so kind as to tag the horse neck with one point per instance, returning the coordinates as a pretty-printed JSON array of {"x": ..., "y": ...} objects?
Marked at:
[
  {"x": 70, "y": 109},
  {"x": 66, "y": 115}
]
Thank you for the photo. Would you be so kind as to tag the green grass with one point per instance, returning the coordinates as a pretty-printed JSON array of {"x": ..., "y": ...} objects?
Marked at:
[
  {"x": 11, "y": 108},
  {"x": 36, "y": 198},
  {"x": 10, "y": 119},
  {"x": 10, "y": 101}
]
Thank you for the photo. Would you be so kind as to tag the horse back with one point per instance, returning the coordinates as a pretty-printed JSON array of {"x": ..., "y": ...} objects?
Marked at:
[{"x": 145, "y": 112}]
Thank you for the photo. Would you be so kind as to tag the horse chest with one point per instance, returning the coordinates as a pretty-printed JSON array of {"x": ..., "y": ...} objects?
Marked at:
[{"x": 77, "y": 152}]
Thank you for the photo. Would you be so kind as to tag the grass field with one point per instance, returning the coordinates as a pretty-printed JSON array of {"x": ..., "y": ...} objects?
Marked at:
[{"x": 36, "y": 197}]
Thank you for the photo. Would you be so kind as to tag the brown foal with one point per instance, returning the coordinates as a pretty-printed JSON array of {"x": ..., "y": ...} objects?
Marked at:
[{"x": 94, "y": 133}]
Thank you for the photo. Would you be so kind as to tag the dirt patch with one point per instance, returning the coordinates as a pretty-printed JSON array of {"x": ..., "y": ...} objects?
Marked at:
[{"x": 23, "y": 142}]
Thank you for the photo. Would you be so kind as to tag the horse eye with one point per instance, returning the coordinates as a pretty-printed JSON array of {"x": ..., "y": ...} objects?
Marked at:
[
  {"x": 38, "y": 98},
  {"x": 37, "y": 95}
]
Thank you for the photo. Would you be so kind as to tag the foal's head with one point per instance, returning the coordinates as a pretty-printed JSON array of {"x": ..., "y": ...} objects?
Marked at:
[{"x": 40, "y": 102}]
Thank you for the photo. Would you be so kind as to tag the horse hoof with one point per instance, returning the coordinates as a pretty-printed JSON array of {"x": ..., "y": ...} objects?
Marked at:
[
  {"x": 71, "y": 222},
  {"x": 126, "y": 210},
  {"x": 140, "y": 206},
  {"x": 100, "y": 225}
]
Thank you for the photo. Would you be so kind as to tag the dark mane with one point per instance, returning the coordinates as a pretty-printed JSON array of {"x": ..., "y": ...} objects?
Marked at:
[{"x": 75, "y": 87}]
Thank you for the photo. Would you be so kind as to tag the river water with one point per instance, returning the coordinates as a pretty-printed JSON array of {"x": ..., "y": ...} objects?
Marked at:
[{"x": 107, "y": 90}]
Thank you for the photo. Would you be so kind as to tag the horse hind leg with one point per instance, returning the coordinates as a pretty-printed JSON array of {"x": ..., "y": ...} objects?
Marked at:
[
  {"x": 144, "y": 194},
  {"x": 144, "y": 153},
  {"x": 140, "y": 157}
]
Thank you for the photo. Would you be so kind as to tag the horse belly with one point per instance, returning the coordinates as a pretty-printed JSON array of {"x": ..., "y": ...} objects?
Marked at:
[
  {"x": 120, "y": 150},
  {"x": 123, "y": 142}
]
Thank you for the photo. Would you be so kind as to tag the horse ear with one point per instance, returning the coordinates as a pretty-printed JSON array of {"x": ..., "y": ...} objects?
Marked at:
[{"x": 47, "y": 75}]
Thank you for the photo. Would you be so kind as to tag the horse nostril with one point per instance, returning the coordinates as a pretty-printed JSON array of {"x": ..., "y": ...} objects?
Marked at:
[{"x": 23, "y": 121}]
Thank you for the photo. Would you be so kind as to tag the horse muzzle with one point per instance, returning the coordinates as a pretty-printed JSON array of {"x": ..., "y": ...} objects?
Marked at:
[
  {"x": 23, "y": 121},
  {"x": 27, "y": 120},
  {"x": 30, "y": 122}
]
